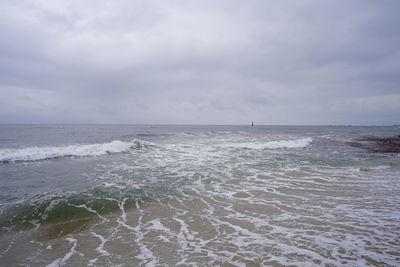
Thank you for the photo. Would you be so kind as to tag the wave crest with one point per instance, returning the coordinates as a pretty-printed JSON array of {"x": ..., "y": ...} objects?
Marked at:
[
  {"x": 49, "y": 152},
  {"x": 297, "y": 143}
]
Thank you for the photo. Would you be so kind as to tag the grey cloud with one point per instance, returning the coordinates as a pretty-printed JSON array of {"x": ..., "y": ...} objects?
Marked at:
[{"x": 273, "y": 62}]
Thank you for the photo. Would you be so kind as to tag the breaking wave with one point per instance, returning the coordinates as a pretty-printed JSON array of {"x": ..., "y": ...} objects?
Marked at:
[
  {"x": 297, "y": 143},
  {"x": 49, "y": 152},
  {"x": 63, "y": 206}
]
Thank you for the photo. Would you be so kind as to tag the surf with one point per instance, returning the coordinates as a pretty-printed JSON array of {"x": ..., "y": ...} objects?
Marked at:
[
  {"x": 296, "y": 143},
  {"x": 81, "y": 150}
]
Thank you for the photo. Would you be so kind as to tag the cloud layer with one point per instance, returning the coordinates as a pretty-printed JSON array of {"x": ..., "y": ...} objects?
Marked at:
[{"x": 206, "y": 62}]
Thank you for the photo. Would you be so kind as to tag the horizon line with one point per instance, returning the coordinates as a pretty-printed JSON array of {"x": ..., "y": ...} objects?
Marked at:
[{"x": 204, "y": 124}]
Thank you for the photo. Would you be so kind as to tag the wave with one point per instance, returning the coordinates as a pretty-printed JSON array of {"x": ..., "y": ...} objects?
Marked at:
[
  {"x": 64, "y": 206},
  {"x": 49, "y": 152},
  {"x": 297, "y": 143},
  {"x": 154, "y": 135}
]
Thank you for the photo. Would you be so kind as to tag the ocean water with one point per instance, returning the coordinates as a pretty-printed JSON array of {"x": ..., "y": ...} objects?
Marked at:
[{"x": 121, "y": 195}]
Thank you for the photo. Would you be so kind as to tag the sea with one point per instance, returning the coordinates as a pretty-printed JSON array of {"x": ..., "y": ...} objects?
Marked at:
[{"x": 197, "y": 195}]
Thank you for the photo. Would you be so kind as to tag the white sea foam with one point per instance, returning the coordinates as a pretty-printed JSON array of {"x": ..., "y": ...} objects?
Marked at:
[
  {"x": 297, "y": 143},
  {"x": 61, "y": 261},
  {"x": 85, "y": 150}
]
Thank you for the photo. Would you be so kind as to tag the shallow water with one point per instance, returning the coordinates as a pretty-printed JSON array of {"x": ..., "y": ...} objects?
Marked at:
[{"x": 197, "y": 196}]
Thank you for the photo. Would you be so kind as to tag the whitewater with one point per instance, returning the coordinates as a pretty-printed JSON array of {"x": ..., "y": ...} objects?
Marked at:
[
  {"x": 84, "y": 150},
  {"x": 117, "y": 146},
  {"x": 105, "y": 195}
]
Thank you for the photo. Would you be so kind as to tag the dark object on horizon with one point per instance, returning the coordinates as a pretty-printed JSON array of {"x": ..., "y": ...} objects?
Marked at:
[
  {"x": 378, "y": 144},
  {"x": 252, "y": 123}
]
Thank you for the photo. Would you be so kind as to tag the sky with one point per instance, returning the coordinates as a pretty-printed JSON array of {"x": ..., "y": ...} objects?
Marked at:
[{"x": 200, "y": 62}]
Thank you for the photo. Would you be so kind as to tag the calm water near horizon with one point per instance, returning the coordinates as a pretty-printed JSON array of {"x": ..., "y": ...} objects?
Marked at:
[{"x": 165, "y": 195}]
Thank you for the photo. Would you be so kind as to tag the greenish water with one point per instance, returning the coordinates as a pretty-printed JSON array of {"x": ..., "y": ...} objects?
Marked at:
[{"x": 196, "y": 195}]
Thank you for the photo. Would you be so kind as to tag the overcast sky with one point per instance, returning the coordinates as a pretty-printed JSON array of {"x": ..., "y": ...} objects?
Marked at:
[{"x": 200, "y": 62}]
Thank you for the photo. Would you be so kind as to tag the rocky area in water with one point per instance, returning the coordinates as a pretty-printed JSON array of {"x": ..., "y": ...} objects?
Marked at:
[{"x": 378, "y": 144}]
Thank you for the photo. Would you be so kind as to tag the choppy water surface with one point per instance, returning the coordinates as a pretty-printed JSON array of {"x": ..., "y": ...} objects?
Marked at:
[{"x": 196, "y": 196}]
